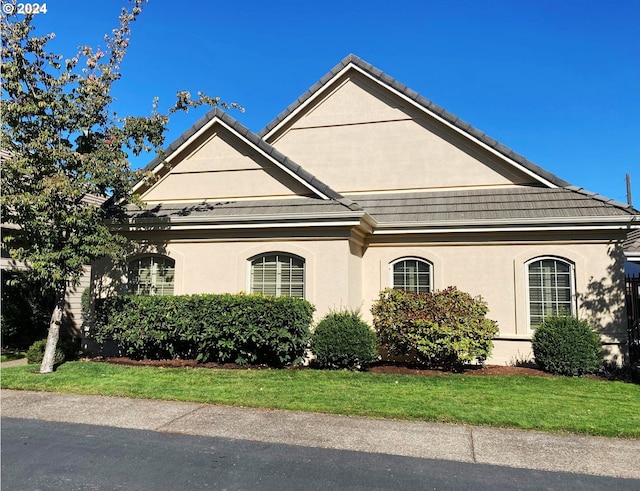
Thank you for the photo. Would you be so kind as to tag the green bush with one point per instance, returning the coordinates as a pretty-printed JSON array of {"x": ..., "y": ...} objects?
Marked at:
[
  {"x": 445, "y": 328},
  {"x": 244, "y": 329},
  {"x": 35, "y": 353},
  {"x": 68, "y": 349},
  {"x": 343, "y": 340},
  {"x": 567, "y": 346}
]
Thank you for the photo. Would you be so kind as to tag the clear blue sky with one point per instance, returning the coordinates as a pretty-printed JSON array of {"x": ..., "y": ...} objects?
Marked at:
[{"x": 557, "y": 81}]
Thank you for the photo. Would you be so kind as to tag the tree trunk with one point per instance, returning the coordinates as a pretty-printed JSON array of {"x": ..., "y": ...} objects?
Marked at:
[{"x": 48, "y": 360}]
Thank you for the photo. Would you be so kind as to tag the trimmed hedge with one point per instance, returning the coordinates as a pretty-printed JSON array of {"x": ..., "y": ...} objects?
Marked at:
[
  {"x": 344, "y": 340},
  {"x": 567, "y": 346},
  {"x": 244, "y": 329},
  {"x": 445, "y": 328}
]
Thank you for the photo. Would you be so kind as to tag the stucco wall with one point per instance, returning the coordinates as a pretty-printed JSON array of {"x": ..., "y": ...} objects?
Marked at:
[
  {"x": 332, "y": 273},
  {"x": 355, "y": 134},
  {"x": 496, "y": 271},
  {"x": 341, "y": 274}
]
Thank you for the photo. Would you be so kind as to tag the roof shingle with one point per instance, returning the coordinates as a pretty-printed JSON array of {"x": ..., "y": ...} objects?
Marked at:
[{"x": 486, "y": 204}]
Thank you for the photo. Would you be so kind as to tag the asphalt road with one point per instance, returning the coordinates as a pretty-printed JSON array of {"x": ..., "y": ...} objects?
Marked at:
[{"x": 42, "y": 455}]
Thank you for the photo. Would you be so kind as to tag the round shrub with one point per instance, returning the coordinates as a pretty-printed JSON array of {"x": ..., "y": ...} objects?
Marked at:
[
  {"x": 35, "y": 353},
  {"x": 567, "y": 346},
  {"x": 343, "y": 340},
  {"x": 446, "y": 328}
]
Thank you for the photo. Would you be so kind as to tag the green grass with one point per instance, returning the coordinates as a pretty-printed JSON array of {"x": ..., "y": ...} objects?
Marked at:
[
  {"x": 12, "y": 355},
  {"x": 554, "y": 404}
]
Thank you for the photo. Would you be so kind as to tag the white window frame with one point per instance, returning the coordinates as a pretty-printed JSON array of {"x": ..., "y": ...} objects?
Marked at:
[
  {"x": 155, "y": 260},
  {"x": 410, "y": 258},
  {"x": 278, "y": 290},
  {"x": 572, "y": 284}
]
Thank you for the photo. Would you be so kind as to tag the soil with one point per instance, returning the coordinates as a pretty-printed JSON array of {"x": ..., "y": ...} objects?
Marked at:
[{"x": 390, "y": 368}]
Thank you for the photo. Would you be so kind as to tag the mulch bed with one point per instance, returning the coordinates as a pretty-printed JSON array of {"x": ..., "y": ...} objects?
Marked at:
[{"x": 386, "y": 367}]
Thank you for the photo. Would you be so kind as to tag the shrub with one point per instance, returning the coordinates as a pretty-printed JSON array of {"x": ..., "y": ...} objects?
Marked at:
[
  {"x": 445, "y": 328},
  {"x": 68, "y": 349},
  {"x": 223, "y": 328},
  {"x": 35, "y": 353},
  {"x": 343, "y": 340},
  {"x": 567, "y": 346}
]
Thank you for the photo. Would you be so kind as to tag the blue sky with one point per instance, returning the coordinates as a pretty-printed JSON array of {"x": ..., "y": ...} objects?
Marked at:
[{"x": 557, "y": 81}]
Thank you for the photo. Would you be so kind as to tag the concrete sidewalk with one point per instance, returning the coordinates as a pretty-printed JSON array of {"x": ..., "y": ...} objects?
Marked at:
[
  {"x": 13, "y": 363},
  {"x": 512, "y": 448}
]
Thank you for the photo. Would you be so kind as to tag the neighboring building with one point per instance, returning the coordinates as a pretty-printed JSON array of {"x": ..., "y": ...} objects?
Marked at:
[
  {"x": 632, "y": 253},
  {"x": 362, "y": 184}
]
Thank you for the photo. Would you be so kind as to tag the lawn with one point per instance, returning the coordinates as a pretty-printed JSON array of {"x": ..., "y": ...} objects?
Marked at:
[{"x": 554, "y": 404}]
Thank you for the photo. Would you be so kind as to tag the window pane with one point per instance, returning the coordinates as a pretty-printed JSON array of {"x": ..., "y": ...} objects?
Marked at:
[
  {"x": 276, "y": 275},
  {"x": 151, "y": 275},
  {"x": 550, "y": 289},
  {"x": 535, "y": 295},
  {"x": 411, "y": 275}
]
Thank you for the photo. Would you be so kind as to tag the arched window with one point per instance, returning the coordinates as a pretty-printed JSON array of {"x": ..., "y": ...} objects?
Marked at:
[
  {"x": 411, "y": 274},
  {"x": 151, "y": 275},
  {"x": 551, "y": 289},
  {"x": 278, "y": 274}
]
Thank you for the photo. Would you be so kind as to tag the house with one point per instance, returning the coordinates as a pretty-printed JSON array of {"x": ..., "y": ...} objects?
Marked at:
[
  {"x": 632, "y": 253},
  {"x": 362, "y": 184}
]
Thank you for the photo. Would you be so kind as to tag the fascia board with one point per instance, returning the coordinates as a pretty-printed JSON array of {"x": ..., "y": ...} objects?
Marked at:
[
  {"x": 226, "y": 226},
  {"x": 603, "y": 223},
  {"x": 270, "y": 221}
]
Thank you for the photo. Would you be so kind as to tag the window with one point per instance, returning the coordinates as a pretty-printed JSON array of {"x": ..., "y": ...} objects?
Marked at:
[
  {"x": 151, "y": 275},
  {"x": 411, "y": 275},
  {"x": 551, "y": 289},
  {"x": 278, "y": 274}
]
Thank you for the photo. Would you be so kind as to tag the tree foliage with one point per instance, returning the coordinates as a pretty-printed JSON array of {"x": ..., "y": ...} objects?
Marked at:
[{"x": 62, "y": 142}]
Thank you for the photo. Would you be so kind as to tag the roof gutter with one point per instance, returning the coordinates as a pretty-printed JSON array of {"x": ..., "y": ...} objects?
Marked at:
[
  {"x": 336, "y": 219},
  {"x": 528, "y": 225}
]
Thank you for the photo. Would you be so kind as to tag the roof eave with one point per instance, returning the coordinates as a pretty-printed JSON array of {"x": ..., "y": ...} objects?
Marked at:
[
  {"x": 247, "y": 221},
  {"x": 508, "y": 225}
]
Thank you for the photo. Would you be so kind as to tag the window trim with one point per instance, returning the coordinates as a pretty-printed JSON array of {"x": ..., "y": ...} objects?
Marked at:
[
  {"x": 163, "y": 257},
  {"x": 410, "y": 258},
  {"x": 289, "y": 255},
  {"x": 572, "y": 283}
]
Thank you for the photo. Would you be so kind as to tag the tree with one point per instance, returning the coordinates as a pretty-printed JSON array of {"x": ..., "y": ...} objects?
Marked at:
[{"x": 63, "y": 141}]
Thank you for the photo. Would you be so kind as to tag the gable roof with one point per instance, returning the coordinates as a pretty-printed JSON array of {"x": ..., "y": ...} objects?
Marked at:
[
  {"x": 551, "y": 201},
  {"x": 353, "y": 62},
  {"x": 216, "y": 115}
]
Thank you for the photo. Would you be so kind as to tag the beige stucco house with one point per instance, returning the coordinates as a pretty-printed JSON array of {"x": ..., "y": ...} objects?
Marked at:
[{"x": 362, "y": 184}]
